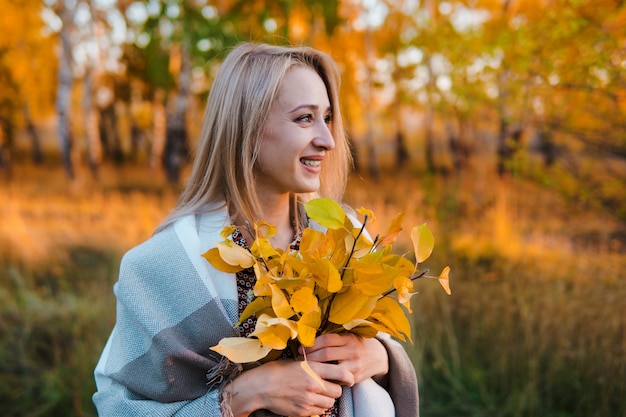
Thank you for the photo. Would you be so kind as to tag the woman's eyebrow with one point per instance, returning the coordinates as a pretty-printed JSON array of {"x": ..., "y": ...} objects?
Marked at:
[{"x": 312, "y": 107}]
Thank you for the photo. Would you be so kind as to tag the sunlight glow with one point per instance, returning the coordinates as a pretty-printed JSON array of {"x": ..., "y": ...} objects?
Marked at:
[
  {"x": 51, "y": 20},
  {"x": 142, "y": 40},
  {"x": 137, "y": 13},
  {"x": 209, "y": 12},
  {"x": 445, "y": 8},
  {"x": 444, "y": 82},
  {"x": 204, "y": 45},
  {"x": 374, "y": 13},
  {"x": 492, "y": 91},
  {"x": 270, "y": 25},
  {"x": 464, "y": 19},
  {"x": 410, "y": 56},
  {"x": 83, "y": 15},
  {"x": 153, "y": 7},
  {"x": 118, "y": 26},
  {"x": 166, "y": 28},
  {"x": 554, "y": 79},
  {"x": 172, "y": 11}
]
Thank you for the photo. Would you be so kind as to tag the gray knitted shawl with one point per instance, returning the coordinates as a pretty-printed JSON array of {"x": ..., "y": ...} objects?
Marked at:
[{"x": 172, "y": 306}]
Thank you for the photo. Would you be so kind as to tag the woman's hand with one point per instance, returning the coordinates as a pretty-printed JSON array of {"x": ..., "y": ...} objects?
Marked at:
[
  {"x": 284, "y": 388},
  {"x": 362, "y": 357}
]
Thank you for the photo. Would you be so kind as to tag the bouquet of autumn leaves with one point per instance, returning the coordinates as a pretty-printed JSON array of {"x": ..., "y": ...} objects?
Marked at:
[{"x": 338, "y": 281}]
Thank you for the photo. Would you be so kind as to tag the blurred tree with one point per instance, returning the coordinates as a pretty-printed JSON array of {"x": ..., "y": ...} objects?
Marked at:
[
  {"x": 395, "y": 47},
  {"x": 66, "y": 13},
  {"x": 25, "y": 53},
  {"x": 173, "y": 40}
]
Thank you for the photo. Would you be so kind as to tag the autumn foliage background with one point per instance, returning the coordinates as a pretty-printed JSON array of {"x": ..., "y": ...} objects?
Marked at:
[{"x": 501, "y": 124}]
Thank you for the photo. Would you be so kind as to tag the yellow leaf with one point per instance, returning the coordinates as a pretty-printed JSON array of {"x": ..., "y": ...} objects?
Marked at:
[
  {"x": 264, "y": 249},
  {"x": 304, "y": 301},
  {"x": 314, "y": 243},
  {"x": 256, "y": 305},
  {"x": 227, "y": 232},
  {"x": 280, "y": 303},
  {"x": 234, "y": 254},
  {"x": 389, "y": 313},
  {"x": 403, "y": 265},
  {"x": 326, "y": 212},
  {"x": 363, "y": 245},
  {"x": 346, "y": 306},
  {"x": 367, "y": 212},
  {"x": 367, "y": 308},
  {"x": 307, "y": 327},
  {"x": 241, "y": 349},
  {"x": 444, "y": 280},
  {"x": 326, "y": 275},
  {"x": 296, "y": 265},
  {"x": 265, "y": 229},
  {"x": 214, "y": 258},
  {"x": 307, "y": 368},
  {"x": 263, "y": 282},
  {"x": 372, "y": 277},
  {"x": 423, "y": 242},
  {"x": 274, "y": 332},
  {"x": 364, "y": 328},
  {"x": 404, "y": 287}
]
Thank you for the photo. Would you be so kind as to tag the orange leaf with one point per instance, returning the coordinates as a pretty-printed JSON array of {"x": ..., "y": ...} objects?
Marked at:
[{"x": 444, "y": 280}]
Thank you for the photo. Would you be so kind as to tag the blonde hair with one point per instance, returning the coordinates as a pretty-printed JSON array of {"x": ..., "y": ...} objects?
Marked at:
[{"x": 239, "y": 101}]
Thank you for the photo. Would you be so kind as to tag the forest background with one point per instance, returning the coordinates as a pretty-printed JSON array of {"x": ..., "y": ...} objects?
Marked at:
[{"x": 500, "y": 123}]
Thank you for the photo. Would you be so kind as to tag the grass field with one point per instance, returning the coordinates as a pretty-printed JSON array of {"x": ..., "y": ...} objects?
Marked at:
[{"x": 534, "y": 326}]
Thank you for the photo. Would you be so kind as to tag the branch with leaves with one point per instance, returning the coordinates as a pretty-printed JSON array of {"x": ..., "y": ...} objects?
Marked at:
[{"x": 338, "y": 281}]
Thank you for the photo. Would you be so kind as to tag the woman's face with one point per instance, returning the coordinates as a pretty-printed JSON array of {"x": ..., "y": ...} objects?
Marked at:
[{"x": 296, "y": 136}]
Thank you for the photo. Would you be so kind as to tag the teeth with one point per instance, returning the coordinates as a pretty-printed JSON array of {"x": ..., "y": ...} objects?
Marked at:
[{"x": 311, "y": 163}]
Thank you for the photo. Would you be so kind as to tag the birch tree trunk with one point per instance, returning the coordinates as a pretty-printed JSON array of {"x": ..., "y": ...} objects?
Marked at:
[{"x": 64, "y": 90}]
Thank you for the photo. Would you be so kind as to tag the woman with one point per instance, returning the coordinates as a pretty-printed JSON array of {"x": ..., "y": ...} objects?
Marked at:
[{"x": 272, "y": 135}]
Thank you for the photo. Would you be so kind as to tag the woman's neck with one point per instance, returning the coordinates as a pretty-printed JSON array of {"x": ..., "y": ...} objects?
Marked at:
[{"x": 277, "y": 212}]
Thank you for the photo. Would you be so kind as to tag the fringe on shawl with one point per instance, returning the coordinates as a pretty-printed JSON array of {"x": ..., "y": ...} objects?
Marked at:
[{"x": 219, "y": 376}]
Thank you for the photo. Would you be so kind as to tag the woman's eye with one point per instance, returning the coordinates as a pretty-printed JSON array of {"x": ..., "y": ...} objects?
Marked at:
[
  {"x": 305, "y": 118},
  {"x": 328, "y": 119}
]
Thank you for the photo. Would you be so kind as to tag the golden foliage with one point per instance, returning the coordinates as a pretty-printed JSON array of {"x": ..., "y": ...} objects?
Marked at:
[{"x": 339, "y": 280}]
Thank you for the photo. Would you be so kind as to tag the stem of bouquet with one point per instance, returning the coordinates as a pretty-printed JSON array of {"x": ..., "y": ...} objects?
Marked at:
[{"x": 324, "y": 324}]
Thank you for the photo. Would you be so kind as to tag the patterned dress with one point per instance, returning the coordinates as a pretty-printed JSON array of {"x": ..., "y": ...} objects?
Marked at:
[{"x": 245, "y": 286}]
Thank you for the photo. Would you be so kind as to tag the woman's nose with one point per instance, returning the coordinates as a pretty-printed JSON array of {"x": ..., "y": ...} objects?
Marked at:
[{"x": 324, "y": 137}]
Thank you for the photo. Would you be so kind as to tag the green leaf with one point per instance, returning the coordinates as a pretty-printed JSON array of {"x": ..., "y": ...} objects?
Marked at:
[{"x": 328, "y": 213}]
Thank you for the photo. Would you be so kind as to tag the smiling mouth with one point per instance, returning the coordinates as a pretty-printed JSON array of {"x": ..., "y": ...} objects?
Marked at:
[{"x": 310, "y": 162}]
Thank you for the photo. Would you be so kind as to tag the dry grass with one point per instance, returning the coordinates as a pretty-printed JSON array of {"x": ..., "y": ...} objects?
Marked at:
[{"x": 534, "y": 325}]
